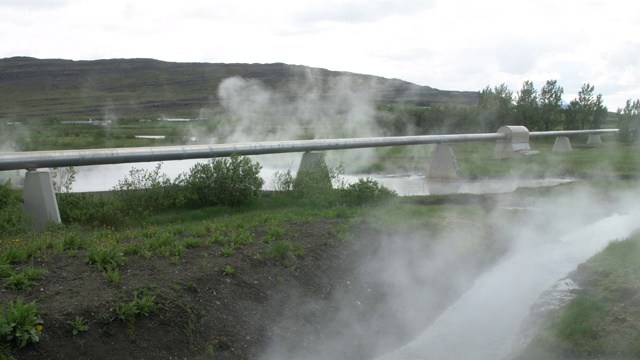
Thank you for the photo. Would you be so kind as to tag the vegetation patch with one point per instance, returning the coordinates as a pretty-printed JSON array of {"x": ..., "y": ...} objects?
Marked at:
[{"x": 602, "y": 321}]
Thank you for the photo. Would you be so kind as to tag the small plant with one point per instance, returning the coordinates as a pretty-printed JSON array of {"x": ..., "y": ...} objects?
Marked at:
[
  {"x": 63, "y": 179},
  {"x": 20, "y": 323},
  {"x": 107, "y": 257},
  {"x": 6, "y": 271},
  {"x": 227, "y": 250},
  {"x": 113, "y": 275},
  {"x": 275, "y": 231},
  {"x": 228, "y": 270},
  {"x": 79, "y": 324},
  {"x": 141, "y": 305},
  {"x": 33, "y": 273},
  {"x": 192, "y": 287},
  {"x": 283, "y": 181},
  {"x": 283, "y": 249},
  {"x": 72, "y": 242},
  {"x": 18, "y": 282}
]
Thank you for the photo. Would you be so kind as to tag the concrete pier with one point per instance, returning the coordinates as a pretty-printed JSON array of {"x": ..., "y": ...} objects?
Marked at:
[
  {"x": 562, "y": 144},
  {"x": 444, "y": 165},
  {"x": 40, "y": 199}
]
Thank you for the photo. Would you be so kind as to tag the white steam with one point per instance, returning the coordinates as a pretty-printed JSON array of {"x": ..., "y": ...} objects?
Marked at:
[
  {"x": 546, "y": 240},
  {"x": 316, "y": 107}
]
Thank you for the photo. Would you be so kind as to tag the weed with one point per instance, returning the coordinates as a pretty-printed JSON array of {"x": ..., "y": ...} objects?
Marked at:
[
  {"x": 192, "y": 287},
  {"x": 191, "y": 242},
  {"x": 227, "y": 250},
  {"x": 33, "y": 273},
  {"x": 141, "y": 305},
  {"x": 228, "y": 270},
  {"x": 18, "y": 282},
  {"x": 72, "y": 242},
  {"x": 113, "y": 275},
  {"x": 6, "y": 271},
  {"x": 20, "y": 323},
  {"x": 78, "y": 325},
  {"x": 107, "y": 257},
  {"x": 283, "y": 249},
  {"x": 175, "y": 260}
]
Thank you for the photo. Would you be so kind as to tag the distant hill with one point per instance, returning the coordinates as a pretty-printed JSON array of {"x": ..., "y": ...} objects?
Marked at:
[{"x": 145, "y": 88}]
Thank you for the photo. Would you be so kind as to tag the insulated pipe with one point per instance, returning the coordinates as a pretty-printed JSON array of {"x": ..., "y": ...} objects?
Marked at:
[
  {"x": 64, "y": 158},
  {"x": 572, "y": 132}
]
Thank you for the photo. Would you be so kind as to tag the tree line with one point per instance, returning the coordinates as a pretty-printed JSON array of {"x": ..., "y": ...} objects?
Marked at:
[{"x": 542, "y": 110}]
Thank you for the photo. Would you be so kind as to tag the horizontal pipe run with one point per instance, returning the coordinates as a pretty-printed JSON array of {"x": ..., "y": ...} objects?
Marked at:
[
  {"x": 535, "y": 134},
  {"x": 64, "y": 158}
]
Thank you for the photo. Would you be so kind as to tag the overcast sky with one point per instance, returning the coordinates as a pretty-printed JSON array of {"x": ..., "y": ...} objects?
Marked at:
[{"x": 445, "y": 44}]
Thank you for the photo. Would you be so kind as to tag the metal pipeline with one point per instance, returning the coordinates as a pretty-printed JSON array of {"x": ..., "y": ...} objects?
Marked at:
[{"x": 63, "y": 158}]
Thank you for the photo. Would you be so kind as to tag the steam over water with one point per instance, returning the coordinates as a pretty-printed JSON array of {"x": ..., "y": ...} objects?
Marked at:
[{"x": 485, "y": 322}]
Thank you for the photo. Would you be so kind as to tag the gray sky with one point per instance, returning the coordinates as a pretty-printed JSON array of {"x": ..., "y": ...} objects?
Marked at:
[{"x": 446, "y": 44}]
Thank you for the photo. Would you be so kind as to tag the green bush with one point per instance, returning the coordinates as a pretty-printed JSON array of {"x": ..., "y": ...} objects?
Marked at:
[
  {"x": 366, "y": 192},
  {"x": 12, "y": 218},
  {"x": 233, "y": 181},
  {"x": 315, "y": 185},
  {"x": 97, "y": 211},
  {"x": 144, "y": 191}
]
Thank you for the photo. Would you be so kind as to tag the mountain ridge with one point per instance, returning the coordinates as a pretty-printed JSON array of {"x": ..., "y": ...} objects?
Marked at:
[{"x": 32, "y": 88}]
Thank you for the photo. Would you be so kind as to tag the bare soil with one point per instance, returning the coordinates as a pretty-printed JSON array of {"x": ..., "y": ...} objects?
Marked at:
[{"x": 328, "y": 303}]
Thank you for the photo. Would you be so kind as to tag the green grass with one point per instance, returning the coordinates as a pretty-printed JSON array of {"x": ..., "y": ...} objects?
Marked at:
[{"x": 605, "y": 320}]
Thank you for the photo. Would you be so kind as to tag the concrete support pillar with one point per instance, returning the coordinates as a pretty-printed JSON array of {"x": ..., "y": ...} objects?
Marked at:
[
  {"x": 562, "y": 144},
  {"x": 515, "y": 145},
  {"x": 443, "y": 164},
  {"x": 40, "y": 199},
  {"x": 594, "y": 139},
  {"x": 313, "y": 164}
]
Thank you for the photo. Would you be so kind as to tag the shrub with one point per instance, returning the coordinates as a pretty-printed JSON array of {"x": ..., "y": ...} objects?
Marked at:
[
  {"x": 233, "y": 181},
  {"x": 106, "y": 258},
  {"x": 366, "y": 192},
  {"x": 143, "y": 191},
  {"x": 86, "y": 209},
  {"x": 315, "y": 185},
  {"x": 12, "y": 218}
]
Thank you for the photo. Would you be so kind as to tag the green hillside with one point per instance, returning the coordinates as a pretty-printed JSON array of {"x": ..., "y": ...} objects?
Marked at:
[{"x": 144, "y": 88}]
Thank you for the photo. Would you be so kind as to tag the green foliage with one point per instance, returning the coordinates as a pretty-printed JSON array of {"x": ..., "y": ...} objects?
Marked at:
[
  {"x": 283, "y": 180},
  {"x": 96, "y": 211},
  {"x": 232, "y": 182},
  {"x": 79, "y": 324},
  {"x": 629, "y": 121},
  {"x": 18, "y": 281},
  {"x": 113, "y": 275},
  {"x": 228, "y": 270},
  {"x": 144, "y": 191},
  {"x": 141, "y": 305},
  {"x": 20, "y": 323},
  {"x": 106, "y": 257},
  {"x": 283, "y": 249},
  {"x": 366, "y": 192},
  {"x": 315, "y": 184},
  {"x": 12, "y": 219},
  {"x": 63, "y": 179}
]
